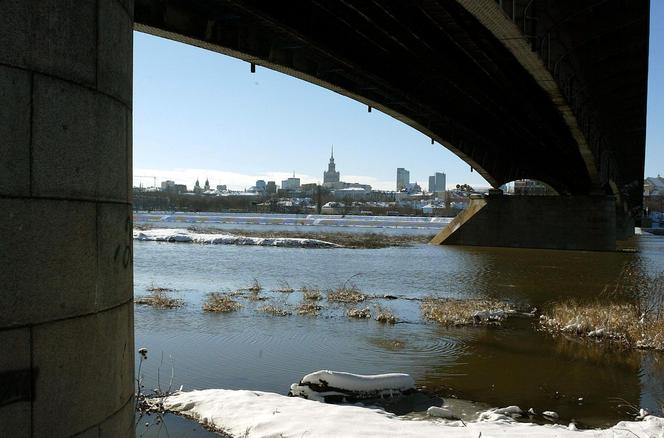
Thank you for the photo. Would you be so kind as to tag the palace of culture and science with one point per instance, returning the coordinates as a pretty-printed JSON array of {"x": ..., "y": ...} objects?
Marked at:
[{"x": 332, "y": 178}]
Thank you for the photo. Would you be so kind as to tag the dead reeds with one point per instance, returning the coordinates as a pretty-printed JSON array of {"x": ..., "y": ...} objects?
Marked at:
[
  {"x": 216, "y": 302},
  {"x": 308, "y": 309},
  {"x": 346, "y": 294},
  {"x": 454, "y": 312},
  {"x": 622, "y": 322},
  {"x": 275, "y": 310},
  {"x": 385, "y": 316},
  {"x": 159, "y": 299},
  {"x": 359, "y": 313},
  {"x": 311, "y": 293}
]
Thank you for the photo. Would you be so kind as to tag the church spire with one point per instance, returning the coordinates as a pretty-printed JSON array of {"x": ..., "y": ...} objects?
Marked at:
[{"x": 332, "y": 154}]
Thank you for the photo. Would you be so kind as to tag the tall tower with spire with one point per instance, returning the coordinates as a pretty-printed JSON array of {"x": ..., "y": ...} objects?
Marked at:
[{"x": 331, "y": 175}]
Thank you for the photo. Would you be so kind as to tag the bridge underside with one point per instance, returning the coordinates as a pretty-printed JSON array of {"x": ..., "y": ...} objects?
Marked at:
[{"x": 553, "y": 91}]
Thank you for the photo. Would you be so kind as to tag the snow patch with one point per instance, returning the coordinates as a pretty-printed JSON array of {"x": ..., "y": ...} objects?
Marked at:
[
  {"x": 263, "y": 414},
  {"x": 186, "y": 236}
]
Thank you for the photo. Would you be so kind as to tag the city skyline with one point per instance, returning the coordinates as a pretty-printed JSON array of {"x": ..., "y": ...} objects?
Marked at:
[{"x": 235, "y": 127}]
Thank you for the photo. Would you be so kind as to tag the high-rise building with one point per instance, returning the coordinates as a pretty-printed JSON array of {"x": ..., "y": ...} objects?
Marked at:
[
  {"x": 260, "y": 185},
  {"x": 403, "y": 178},
  {"x": 291, "y": 183},
  {"x": 271, "y": 187},
  {"x": 331, "y": 175},
  {"x": 437, "y": 183}
]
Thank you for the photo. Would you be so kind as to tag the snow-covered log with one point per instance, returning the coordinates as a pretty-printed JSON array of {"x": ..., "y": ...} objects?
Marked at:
[{"x": 334, "y": 386}]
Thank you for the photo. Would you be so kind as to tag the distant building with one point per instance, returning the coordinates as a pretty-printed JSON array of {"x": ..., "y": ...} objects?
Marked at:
[
  {"x": 653, "y": 198},
  {"x": 260, "y": 186},
  {"x": 222, "y": 188},
  {"x": 651, "y": 186},
  {"x": 331, "y": 175},
  {"x": 412, "y": 188},
  {"x": 351, "y": 193},
  {"x": 197, "y": 187},
  {"x": 532, "y": 187},
  {"x": 172, "y": 187},
  {"x": 168, "y": 185},
  {"x": 206, "y": 187},
  {"x": 271, "y": 187},
  {"x": 437, "y": 183},
  {"x": 291, "y": 183},
  {"x": 403, "y": 178}
]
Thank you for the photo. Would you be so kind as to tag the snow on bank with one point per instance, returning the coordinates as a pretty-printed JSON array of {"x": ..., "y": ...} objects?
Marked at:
[
  {"x": 323, "y": 385},
  {"x": 179, "y": 235},
  {"x": 263, "y": 414}
]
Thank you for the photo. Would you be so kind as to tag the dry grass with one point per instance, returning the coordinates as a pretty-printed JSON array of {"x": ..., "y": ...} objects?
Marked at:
[
  {"x": 255, "y": 296},
  {"x": 158, "y": 298},
  {"x": 275, "y": 310},
  {"x": 348, "y": 240},
  {"x": 464, "y": 312},
  {"x": 346, "y": 294},
  {"x": 623, "y": 322},
  {"x": 385, "y": 316},
  {"x": 216, "y": 302},
  {"x": 359, "y": 313},
  {"x": 255, "y": 287},
  {"x": 285, "y": 288},
  {"x": 311, "y": 293},
  {"x": 308, "y": 309},
  {"x": 154, "y": 288}
]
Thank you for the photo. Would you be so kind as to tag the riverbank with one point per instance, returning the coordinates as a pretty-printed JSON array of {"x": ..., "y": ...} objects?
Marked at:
[
  {"x": 241, "y": 413},
  {"x": 354, "y": 240}
]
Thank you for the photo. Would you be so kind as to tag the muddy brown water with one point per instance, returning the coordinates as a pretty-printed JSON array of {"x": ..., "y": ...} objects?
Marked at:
[{"x": 593, "y": 383}]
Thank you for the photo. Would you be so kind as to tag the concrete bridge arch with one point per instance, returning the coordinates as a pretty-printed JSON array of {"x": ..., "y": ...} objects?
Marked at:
[{"x": 65, "y": 145}]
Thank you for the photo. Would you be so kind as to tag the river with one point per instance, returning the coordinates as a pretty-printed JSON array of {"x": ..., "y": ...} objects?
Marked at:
[{"x": 593, "y": 383}]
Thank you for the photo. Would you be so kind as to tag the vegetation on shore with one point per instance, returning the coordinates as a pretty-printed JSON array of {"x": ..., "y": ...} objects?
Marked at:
[
  {"x": 456, "y": 312},
  {"x": 346, "y": 294},
  {"x": 620, "y": 322},
  {"x": 158, "y": 297},
  {"x": 348, "y": 240},
  {"x": 216, "y": 302}
]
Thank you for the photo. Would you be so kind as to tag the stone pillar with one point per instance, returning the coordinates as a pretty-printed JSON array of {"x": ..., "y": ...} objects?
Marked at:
[
  {"x": 546, "y": 222},
  {"x": 66, "y": 306}
]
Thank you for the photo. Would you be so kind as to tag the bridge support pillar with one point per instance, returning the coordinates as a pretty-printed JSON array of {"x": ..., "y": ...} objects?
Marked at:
[
  {"x": 553, "y": 222},
  {"x": 66, "y": 298}
]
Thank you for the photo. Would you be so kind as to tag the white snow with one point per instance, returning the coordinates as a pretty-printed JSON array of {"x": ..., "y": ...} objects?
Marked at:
[
  {"x": 326, "y": 383},
  {"x": 358, "y": 382},
  {"x": 440, "y": 412},
  {"x": 492, "y": 315},
  {"x": 550, "y": 414},
  {"x": 180, "y": 235},
  {"x": 263, "y": 414}
]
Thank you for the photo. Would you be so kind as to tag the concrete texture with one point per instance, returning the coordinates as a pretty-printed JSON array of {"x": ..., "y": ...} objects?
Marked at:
[
  {"x": 50, "y": 262},
  {"x": 553, "y": 222},
  {"x": 72, "y": 357},
  {"x": 77, "y": 136},
  {"x": 66, "y": 313},
  {"x": 14, "y": 131}
]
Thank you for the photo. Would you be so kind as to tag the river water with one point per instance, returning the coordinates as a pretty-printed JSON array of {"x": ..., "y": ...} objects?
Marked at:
[{"x": 494, "y": 366}]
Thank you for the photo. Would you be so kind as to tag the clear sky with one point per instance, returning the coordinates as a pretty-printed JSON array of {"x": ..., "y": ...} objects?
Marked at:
[{"x": 199, "y": 114}]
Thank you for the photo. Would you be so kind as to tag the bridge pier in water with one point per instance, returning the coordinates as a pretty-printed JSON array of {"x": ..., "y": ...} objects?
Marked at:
[
  {"x": 66, "y": 315},
  {"x": 547, "y": 222}
]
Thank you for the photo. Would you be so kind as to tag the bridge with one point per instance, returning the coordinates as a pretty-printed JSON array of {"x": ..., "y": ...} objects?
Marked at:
[{"x": 553, "y": 91}]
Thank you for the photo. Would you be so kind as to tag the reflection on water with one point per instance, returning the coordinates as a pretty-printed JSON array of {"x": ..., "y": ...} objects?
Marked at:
[{"x": 512, "y": 364}]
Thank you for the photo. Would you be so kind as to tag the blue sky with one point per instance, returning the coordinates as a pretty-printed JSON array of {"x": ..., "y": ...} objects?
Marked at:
[{"x": 199, "y": 114}]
